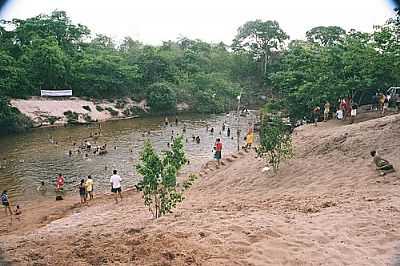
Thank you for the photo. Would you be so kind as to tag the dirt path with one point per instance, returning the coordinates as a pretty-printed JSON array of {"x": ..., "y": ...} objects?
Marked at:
[{"x": 327, "y": 206}]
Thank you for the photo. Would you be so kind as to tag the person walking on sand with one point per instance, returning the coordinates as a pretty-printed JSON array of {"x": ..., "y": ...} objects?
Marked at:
[
  {"x": 218, "y": 151},
  {"x": 82, "y": 191},
  {"x": 327, "y": 108},
  {"x": 89, "y": 187},
  {"x": 249, "y": 139},
  {"x": 6, "y": 202},
  {"x": 115, "y": 181},
  {"x": 382, "y": 165}
]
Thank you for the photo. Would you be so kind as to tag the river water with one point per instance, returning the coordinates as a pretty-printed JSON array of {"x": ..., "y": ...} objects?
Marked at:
[{"x": 27, "y": 159}]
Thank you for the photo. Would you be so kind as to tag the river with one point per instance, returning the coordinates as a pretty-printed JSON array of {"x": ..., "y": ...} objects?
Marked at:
[{"x": 27, "y": 159}]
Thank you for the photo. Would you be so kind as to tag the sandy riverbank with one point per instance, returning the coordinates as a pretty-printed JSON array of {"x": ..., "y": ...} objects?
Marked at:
[
  {"x": 326, "y": 206},
  {"x": 42, "y": 110}
]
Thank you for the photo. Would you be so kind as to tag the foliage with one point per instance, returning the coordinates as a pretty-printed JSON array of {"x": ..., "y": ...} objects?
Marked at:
[
  {"x": 159, "y": 178},
  {"x": 53, "y": 119},
  {"x": 112, "y": 111},
  {"x": 11, "y": 120},
  {"x": 189, "y": 182},
  {"x": 87, "y": 118},
  {"x": 162, "y": 97},
  {"x": 72, "y": 117},
  {"x": 275, "y": 141},
  {"x": 87, "y": 108}
]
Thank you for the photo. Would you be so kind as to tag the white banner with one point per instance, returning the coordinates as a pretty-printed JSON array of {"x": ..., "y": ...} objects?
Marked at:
[{"x": 56, "y": 93}]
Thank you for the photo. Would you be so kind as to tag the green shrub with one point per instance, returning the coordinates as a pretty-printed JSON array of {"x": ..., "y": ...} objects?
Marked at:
[
  {"x": 87, "y": 118},
  {"x": 72, "y": 117},
  {"x": 159, "y": 177},
  {"x": 275, "y": 141},
  {"x": 162, "y": 97},
  {"x": 53, "y": 119},
  {"x": 11, "y": 119},
  {"x": 112, "y": 111},
  {"x": 120, "y": 104},
  {"x": 87, "y": 108}
]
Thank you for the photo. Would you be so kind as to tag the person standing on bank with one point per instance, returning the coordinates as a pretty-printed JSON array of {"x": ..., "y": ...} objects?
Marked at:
[
  {"x": 115, "y": 181},
  {"x": 218, "y": 151}
]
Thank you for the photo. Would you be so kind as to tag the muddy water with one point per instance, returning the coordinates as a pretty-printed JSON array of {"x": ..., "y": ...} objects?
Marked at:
[{"x": 28, "y": 159}]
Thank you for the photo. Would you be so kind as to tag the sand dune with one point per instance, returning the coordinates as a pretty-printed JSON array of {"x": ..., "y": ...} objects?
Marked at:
[{"x": 326, "y": 206}]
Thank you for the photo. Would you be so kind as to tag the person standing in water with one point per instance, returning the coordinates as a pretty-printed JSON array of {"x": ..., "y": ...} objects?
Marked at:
[
  {"x": 228, "y": 132},
  {"x": 166, "y": 121},
  {"x": 60, "y": 183},
  {"x": 218, "y": 151},
  {"x": 42, "y": 188}
]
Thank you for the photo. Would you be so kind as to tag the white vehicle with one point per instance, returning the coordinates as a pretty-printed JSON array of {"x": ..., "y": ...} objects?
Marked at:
[{"x": 394, "y": 93}]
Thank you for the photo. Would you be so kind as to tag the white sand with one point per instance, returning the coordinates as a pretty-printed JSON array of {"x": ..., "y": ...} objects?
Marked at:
[{"x": 39, "y": 109}]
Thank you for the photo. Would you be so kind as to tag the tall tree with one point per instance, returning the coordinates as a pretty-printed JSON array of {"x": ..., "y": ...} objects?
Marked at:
[{"x": 261, "y": 38}]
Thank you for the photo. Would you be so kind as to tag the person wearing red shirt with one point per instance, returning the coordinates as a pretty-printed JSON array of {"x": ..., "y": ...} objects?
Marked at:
[
  {"x": 59, "y": 182},
  {"x": 218, "y": 150}
]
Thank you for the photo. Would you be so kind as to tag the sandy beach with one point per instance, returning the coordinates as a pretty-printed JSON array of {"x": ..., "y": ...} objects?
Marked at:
[{"x": 326, "y": 206}]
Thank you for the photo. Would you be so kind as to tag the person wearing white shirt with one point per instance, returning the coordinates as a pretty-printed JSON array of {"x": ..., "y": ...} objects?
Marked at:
[{"x": 115, "y": 181}]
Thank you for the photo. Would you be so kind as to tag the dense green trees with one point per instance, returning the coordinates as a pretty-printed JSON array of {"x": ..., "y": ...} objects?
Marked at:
[
  {"x": 50, "y": 52},
  {"x": 333, "y": 64}
]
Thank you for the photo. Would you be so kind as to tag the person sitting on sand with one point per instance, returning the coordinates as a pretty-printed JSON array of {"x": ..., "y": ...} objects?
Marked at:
[
  {"x": 42, "y": 188},
  {"x": 18, "y": 212},
  {"x": 382, "y": 165}
]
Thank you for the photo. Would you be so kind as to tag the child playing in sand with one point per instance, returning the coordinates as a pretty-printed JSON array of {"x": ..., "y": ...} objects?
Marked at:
[
  {"x": 17, "y": 213},
  {"x": 382, "y": 165}
]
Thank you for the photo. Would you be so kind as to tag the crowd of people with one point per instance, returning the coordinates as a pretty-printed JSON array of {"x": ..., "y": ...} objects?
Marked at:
[
  {"x": 346, "y": 108},
  {"x": 89, "y": 146}
]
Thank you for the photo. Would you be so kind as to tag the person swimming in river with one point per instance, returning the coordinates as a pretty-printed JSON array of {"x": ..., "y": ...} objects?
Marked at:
[
  {"x": 198, "y": 139},
  {"x": 382, "y": 165}
]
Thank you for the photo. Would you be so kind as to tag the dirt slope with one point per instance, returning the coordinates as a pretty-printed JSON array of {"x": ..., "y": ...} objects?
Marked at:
[{"x": 327, "y": 206}]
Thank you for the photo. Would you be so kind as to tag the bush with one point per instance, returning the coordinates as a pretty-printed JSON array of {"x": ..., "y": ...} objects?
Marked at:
[
  {"x": 87, "y": 118},
  {"x": 275, "y": 141},
  {"x": 120, "y": 104},
  {"x": 87, "y": 108},
  {"x": 161, "y": 97},
  {"x": 72, "y": 117},
  {"x": 53, "y": 119},
  {"x": 99, "y": 108},
  {"x": 11, "y": 119},
  {"x": 159, "y": 178},
  {"x": 112, "y": 111}
]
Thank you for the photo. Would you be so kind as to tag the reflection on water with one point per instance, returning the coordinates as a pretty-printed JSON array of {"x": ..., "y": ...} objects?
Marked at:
[{"x": 28, "y": 159}]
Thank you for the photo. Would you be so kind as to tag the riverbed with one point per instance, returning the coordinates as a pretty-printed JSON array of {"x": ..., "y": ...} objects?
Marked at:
[{"x": 28, "y": 159}]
